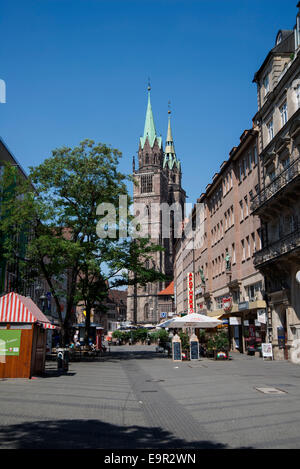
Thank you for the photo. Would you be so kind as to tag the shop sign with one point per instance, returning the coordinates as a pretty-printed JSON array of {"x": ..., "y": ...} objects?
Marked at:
[
  {"x": 235, "y": 321},
  {"x": 163, "y": 315},
  {"x": 225, "y": 321},
  {"x": 10, "y": 341},
  {"x": 262, "y": 316},
  {"x": 227, "y": 303},
  {"x": 190, "y": 281},
  {"x": 243, "y": 305}
]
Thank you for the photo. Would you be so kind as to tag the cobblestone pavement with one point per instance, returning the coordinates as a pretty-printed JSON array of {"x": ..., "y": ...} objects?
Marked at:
[{"x": 137, "y": 398}]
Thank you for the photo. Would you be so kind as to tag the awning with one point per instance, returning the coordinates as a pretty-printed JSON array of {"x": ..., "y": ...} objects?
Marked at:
[{"x": 18, "y": 308}]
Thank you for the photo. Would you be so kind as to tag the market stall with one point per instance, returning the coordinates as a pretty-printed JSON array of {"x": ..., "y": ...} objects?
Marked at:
[{"x": 23, "y": 329}]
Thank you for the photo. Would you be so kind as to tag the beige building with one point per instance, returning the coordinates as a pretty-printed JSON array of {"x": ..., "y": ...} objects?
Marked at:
[
  {"x": 220, "y": 254},
  {"x": 277, "y": 202}
]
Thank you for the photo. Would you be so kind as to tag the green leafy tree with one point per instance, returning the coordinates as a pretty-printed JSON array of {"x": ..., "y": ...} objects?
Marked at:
[{"x": 57, "y": 208}]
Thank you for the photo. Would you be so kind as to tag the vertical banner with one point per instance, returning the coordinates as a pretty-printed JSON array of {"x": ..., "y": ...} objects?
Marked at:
[{"x": 190, "y": 289}]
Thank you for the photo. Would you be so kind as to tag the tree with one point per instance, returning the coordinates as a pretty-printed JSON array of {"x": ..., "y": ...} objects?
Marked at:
[{"x": 57, "y": 207}]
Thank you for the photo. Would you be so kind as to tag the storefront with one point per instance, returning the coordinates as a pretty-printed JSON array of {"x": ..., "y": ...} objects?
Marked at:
[
  {"x": 246, "y": 323},
  {"x": 248, "y": 327}
]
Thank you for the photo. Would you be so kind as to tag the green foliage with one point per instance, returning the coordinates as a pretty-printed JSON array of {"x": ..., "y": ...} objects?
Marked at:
[
  {"x": 57, "y": 208},
  {"x": 161, "y": 336},
  {"x": 219, "y": 341},
  {"x": 185, "y": 341}
]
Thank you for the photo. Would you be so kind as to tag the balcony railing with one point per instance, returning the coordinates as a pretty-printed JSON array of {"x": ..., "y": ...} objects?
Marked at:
[
  {"x": 284, "y": 178},
  {"x": 282, "y": 246}
]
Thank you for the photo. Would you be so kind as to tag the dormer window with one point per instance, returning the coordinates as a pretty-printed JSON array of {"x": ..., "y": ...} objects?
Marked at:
[{"x": 279, "y": 38}]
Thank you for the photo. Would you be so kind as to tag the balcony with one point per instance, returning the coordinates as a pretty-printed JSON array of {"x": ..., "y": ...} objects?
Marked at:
[
  {"x": 288, "y": 175},
  {"x": 283, "y": 246}
]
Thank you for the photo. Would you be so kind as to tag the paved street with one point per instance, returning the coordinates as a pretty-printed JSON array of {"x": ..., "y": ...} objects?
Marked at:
[{"x": 137, "y": 398}]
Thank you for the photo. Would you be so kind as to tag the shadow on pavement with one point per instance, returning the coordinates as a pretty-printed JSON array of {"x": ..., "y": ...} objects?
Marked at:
[{"x": 92, "y": 434}]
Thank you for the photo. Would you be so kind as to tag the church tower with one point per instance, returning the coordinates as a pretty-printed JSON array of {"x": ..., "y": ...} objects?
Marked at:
[{"x": 158, "y": 182}]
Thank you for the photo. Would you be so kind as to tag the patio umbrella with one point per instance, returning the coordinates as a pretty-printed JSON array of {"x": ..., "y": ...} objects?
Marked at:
[
  {"x": 165, "y": 323},
  {"x": 194, "y": 320}
]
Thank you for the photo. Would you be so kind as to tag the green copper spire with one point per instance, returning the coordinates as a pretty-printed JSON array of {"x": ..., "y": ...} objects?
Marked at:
[{"x": 149, "y": 129}]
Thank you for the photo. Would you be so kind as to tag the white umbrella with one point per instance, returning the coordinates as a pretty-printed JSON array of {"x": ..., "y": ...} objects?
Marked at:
[
  {"x": 148, "y": 326},
  {"x": 166, "y": 323},
  {"x": 194, "y": 320}
]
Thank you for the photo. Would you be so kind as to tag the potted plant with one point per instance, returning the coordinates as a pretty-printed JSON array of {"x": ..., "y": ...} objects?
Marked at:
[
  {"x": 218, "y": 345},
  {"x": 185, "y": 345}
]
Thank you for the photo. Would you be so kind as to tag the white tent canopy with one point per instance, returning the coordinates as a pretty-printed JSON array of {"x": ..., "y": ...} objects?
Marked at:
[{"x": 192, "y": 320}]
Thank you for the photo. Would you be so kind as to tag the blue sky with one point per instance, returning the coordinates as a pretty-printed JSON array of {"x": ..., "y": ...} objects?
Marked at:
[{"x": 78, "y": 69}]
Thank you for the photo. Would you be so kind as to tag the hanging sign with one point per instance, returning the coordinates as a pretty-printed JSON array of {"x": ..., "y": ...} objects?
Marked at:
[
  {"x": 227, "y": 303},
  {"x": 262, "y": 316},
  {"x": 190, "y": 289}
]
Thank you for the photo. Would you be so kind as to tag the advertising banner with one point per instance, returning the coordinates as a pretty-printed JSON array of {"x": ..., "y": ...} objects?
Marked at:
[
  {"x": 191, "y": 299},
  {"x": 10, "y": 341}
]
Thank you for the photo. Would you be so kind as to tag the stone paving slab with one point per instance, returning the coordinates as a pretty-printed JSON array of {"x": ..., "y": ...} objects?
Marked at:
[{"x": 136, "y": 398}]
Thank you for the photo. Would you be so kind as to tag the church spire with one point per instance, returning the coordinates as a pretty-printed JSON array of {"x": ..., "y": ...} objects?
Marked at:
[
  {"x": 149, "y": 129},
  {"x": 170, "y": 155}
]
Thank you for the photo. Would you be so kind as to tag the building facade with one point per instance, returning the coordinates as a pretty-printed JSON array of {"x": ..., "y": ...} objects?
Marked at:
[
  {"x": 220, "y": 253},
  {"x": 277, "y": 202},
  {"x": 157, "y": 187}
]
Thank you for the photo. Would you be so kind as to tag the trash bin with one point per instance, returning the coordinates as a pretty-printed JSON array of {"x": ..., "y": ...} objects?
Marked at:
[{"x": 63, "y": 359}]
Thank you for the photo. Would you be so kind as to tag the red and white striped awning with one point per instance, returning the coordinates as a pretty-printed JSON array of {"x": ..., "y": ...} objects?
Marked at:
[{"x": 18, "y": 308}]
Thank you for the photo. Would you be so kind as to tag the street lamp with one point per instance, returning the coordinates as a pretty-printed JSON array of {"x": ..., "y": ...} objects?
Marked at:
[{"x": 43, "y": 301}]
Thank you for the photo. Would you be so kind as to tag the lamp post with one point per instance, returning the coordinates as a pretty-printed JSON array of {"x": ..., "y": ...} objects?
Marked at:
[{"x": 43, "y": 301}]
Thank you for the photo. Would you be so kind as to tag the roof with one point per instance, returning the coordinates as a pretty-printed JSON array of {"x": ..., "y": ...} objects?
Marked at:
[
  {"x": 118, "y": 296},
  {"x": 149, "y": 129},
  {"x": 18, "y": 308},
  {"x": 169, "y": 290}
]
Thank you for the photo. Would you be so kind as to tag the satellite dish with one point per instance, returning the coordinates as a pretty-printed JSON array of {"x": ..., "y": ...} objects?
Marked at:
[{"x": 298, "y": 276}]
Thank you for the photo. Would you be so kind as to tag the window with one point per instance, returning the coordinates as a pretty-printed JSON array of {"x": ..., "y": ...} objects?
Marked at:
[
  {"x": 254, "y": 290},
  {"x": 253, "y": 242},
  {"x": 246, "y": 207},
  {"x": 243, "y": 250},
  {"x": 231, "y": 215},
  {"x": 283, "y": 114},
  {"x": 259, "y": 239},
  {"x": 254, "y": 155},
  {"x": 271, "y": 173},
  {"x": 270, "y": 130},
  {"x": 241, "y": 211},
  {"x": 286, "y": 162},
  {"x": 298, "y": 95},
  {"x": 248, "y": 247},
  {"x": 266, "y": 84},
  {"x": 240, "y": 171},
  {"x": 146, "y": 183},
  {"x": 233, "y": 253}
]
